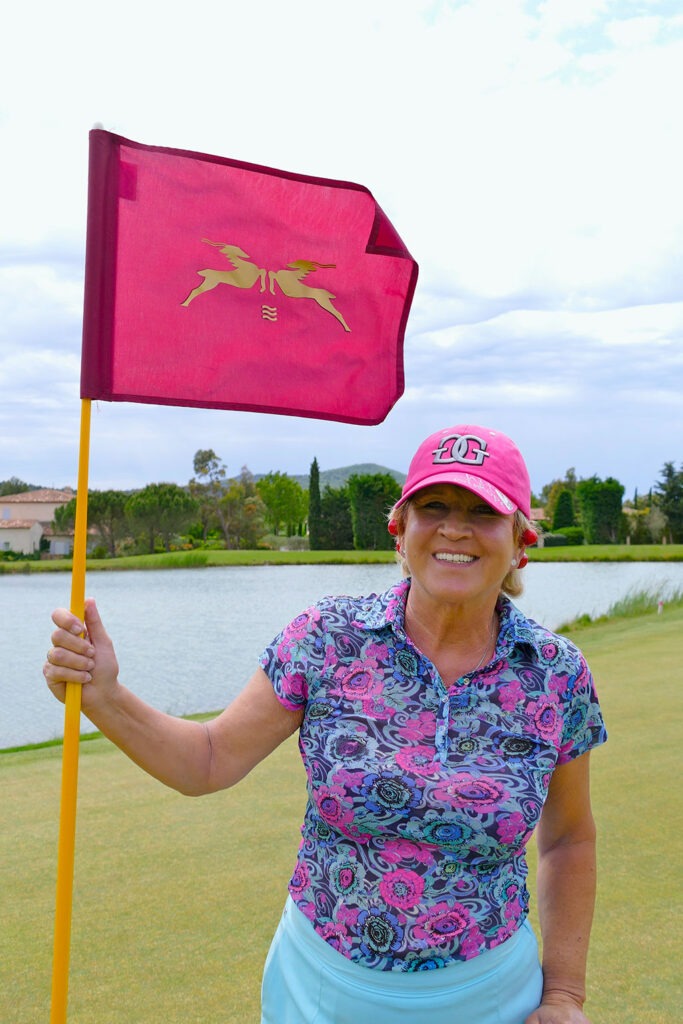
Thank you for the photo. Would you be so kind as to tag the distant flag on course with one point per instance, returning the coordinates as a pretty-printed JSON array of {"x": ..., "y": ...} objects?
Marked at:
[{"x": 221, "y": 284}]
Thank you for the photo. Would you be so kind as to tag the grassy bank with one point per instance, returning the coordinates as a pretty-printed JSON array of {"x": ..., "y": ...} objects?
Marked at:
[
  {"x": 609, "y": 553},
  {"x": 201, "y": 559},
  {"x": 636, "y": 603},
  {"x": 175, "y": 900}
]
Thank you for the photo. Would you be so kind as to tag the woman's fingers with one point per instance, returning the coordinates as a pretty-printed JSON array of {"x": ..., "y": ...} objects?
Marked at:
[
  {"x": 80, "y": 653},
  {"x": 67, "y": 621},
  {"x": 60, "y": 658},
  {"x": 65, "y": 641},
  {"x": 62, "y": 666},
  {"x": 70, "y": 659}
]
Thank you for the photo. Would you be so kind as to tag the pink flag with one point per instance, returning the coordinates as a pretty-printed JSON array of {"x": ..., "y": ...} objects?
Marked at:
[{"x": 216, "y": 283}]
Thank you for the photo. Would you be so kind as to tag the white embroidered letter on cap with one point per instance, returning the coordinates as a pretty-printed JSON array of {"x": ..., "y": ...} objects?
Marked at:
[{"x": 460, "y": 450}]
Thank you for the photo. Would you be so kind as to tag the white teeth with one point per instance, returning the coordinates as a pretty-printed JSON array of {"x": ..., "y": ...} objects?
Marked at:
[{"x": 444, "y": 556}]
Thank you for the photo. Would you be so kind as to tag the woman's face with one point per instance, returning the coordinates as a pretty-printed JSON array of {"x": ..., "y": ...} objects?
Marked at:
[{"x": 457, "y": 547}]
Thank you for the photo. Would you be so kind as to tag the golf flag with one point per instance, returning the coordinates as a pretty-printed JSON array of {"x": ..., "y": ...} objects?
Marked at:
[{"x": 221, "y": 284}]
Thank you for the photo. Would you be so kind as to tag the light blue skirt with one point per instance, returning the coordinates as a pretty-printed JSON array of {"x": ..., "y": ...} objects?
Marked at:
[{"x": 306, "y": 981}]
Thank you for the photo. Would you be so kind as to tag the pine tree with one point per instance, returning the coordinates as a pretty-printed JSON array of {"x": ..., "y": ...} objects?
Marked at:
[{"x": 669, "y": 492}]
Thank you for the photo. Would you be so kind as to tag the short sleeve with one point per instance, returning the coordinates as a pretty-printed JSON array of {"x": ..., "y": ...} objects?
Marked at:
[
  {"x": 293, "y": 657},
  {"x": 584, "y": 727}
]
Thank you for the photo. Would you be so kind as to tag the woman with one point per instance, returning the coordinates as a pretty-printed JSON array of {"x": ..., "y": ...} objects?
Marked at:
[{"x": 439, "y": 727}]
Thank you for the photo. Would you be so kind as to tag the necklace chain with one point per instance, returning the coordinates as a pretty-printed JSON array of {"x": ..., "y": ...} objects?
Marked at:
[{"x": 489, "y": 638}]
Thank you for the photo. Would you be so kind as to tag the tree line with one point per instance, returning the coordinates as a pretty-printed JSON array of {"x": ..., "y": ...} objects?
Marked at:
[
  {"x": 594, "y": 511},
  {"x": 216, "y": 510}
]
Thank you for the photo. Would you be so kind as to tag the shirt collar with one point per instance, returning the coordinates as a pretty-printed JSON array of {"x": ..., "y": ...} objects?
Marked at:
[
  {"x": 388, "y": 610},
  {"x": 515, "y": 629}
]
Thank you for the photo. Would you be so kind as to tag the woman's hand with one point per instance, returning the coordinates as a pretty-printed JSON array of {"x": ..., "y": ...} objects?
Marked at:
[
  {"x": 558, "y": 1009},
  {"x": 81, "y": 653}
]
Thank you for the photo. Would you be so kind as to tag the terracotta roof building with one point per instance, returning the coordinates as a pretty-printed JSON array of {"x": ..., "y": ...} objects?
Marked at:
[{"x": 26, "y": 517}]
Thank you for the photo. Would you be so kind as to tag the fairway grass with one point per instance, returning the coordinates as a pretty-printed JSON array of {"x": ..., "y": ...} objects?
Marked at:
[{"x": 176, "y": 900}]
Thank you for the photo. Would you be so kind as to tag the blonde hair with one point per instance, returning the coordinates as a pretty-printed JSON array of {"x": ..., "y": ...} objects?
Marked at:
[{"x": 512, "y": 585}]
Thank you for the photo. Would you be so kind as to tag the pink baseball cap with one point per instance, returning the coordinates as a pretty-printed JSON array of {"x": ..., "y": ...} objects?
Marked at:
[{"x": 482, "y": 460}]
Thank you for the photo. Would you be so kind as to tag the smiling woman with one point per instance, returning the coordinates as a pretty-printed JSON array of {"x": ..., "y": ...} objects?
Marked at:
[
  {"x": 435, "y": 505},
  {"x": 458, "y": 550},
  {"x": 461, "y": 526},
  {"x": 439, "y": 727}
]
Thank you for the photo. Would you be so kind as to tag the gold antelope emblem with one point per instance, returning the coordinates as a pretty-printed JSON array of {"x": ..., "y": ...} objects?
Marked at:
[{"x": 245, "y": 274}]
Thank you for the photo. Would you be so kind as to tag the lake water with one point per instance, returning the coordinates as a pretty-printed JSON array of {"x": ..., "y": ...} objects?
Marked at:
[{"x": 188, "y": 640}]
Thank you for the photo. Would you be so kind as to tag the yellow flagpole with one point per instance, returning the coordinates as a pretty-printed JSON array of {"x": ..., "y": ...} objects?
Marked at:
[{"x": 72, "y": 714}]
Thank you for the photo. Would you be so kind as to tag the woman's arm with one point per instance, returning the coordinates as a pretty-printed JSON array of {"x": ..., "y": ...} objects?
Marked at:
[
  {"x": 192, "y": 757},
  {"x": 565, "y": 893}
]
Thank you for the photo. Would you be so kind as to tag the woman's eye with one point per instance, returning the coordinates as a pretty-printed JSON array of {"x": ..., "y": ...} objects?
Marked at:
[{"x": 431, "y": 508}]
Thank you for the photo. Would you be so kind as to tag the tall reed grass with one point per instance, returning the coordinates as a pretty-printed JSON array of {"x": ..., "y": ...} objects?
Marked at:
[{"x": 636, "y": 602}]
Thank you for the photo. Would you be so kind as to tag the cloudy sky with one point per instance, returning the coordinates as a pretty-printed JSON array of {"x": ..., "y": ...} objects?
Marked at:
[{"x": 528, "y": 153}]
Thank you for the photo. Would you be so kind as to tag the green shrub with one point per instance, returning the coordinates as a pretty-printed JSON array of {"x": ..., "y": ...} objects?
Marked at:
[
  {"x": 19, "y": 556},
  {"x": 574, "y": 534}
]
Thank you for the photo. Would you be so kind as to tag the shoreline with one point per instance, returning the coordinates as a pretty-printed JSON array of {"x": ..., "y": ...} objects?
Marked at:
[{"x": 200, "y": 558}]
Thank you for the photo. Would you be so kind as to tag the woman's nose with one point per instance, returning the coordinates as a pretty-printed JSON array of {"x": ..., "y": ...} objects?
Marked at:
[{"x": 455, "y": 522}]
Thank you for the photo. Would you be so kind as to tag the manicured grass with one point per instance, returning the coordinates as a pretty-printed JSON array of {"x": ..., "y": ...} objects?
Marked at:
[
  {"x": 637, "y": 943},
  {"x": 608, "y": 553},
  {"x": 176, "y": 900},
  {"x": 200, "y": 558}
]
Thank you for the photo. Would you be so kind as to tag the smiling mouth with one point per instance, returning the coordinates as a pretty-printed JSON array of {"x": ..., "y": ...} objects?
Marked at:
[{"x": 445, "y": 556}]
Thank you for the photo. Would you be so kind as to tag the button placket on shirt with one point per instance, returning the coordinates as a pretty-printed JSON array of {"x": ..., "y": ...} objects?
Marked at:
[
  {"x": 443, "y": 715},
  {"x": 442, "y": 725}
]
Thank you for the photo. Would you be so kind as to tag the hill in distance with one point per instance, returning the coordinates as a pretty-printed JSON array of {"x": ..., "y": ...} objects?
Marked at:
[
  {"x": 338, "y": 477},
  {"x": 328, "y": 478}
]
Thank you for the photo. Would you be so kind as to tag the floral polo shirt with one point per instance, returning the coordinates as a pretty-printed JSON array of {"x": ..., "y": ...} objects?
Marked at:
[{"x": 421, "y": 796}]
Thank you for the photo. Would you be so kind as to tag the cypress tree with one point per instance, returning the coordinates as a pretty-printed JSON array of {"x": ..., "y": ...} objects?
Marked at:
[
  {"x": 314, "y": 510},
  {"x": 564, "y": 511}
]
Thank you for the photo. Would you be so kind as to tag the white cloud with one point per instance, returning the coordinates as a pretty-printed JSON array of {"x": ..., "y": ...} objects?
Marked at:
[
  {"x": 558, "y": 17},
  {"x": 528, "y": 154},
  {"x": 634, "y": 32},
  {"x": 492, "y": 393}
]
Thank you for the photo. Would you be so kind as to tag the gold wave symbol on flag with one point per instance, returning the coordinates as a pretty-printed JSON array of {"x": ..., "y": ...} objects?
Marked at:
[
  {"x": 269, "y": 312},
  {"x": 245, "y": 274}
]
